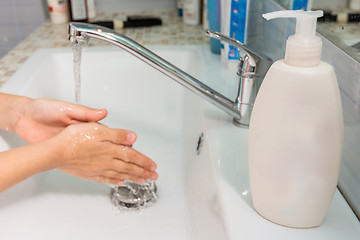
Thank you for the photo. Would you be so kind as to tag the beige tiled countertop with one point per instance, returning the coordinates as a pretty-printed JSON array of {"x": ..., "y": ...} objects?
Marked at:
[{"x": 48, "y": 35}]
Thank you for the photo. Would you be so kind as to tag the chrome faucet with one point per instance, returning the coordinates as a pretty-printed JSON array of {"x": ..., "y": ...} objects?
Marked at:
[{"x": 252, "y": 68}]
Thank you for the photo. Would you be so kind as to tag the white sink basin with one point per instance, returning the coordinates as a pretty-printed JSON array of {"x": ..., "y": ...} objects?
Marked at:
[{"x": 203, "y": 196}]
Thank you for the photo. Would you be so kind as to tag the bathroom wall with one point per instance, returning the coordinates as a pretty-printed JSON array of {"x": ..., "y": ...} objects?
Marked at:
[{"x": 18, "y": 18}]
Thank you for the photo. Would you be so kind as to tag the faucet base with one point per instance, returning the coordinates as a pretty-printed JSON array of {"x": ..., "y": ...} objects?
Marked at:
[{"x": 238, "y": 123}]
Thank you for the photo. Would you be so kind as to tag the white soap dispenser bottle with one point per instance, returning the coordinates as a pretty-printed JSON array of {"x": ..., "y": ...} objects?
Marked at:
[{"x": 296, "y": 132}]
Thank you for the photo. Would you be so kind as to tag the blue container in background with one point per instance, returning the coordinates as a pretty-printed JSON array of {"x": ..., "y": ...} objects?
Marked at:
[{"x": 214, "y": 23}]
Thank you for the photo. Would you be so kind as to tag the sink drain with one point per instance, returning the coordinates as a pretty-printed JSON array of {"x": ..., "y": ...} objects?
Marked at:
[
  {"x": 134, "y": 196},
  {"x": 200, "y": 143}
]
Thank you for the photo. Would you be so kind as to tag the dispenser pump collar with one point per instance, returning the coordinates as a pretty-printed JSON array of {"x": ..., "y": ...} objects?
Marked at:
[{"x": 304, "y": 47}]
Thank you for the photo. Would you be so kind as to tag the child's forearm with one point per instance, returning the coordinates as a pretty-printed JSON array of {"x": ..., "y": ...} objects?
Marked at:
[
  {"x": 18, "y": 164},
  {"x": 10, "y": 109}
]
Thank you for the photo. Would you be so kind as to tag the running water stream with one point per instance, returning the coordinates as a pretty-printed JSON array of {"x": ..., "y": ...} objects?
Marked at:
[
  {"x": 130, "y": 195},
  {"x": 77, "y": 62}
]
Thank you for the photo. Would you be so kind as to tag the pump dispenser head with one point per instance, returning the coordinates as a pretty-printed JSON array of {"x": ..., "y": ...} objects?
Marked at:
[{"x": 303, "y": 49}]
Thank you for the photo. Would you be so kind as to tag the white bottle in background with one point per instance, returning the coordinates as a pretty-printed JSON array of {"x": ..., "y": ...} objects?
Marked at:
[
  {"x": 191, "y": 13},
  {"x": 58, "y": 11},
  {"x": 78, "y": 10},
  {"x": 205, "y": 15},
  {"x": 225, "y": 8},
  {"x": 296, "y": 132},
  {"x": 91, "y": 8},
  {"x": 180, "y": 6},
  {"x": 234, "y": 23},
  {"x": 354, "y": 5}
]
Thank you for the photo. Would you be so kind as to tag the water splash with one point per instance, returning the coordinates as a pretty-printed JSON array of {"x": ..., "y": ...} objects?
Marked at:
[{"x": 77, "y": 62}]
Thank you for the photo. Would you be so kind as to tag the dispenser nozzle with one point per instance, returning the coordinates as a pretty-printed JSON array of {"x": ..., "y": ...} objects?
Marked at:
[
  {"x": 305, "y": 20},
  {"x": 293, "y": 14},
  {"x": 303, "y": 48}
]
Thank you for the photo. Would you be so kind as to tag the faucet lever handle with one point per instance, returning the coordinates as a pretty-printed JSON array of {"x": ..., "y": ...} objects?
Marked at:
[{"x": 254, "y": 57}]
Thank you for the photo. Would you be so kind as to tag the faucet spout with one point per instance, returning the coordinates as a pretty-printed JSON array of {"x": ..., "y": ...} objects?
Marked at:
[{"x": 81, "y": 32}]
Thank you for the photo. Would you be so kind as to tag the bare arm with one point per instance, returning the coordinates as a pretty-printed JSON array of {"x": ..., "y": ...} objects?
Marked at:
[
  {"x": 10, "y": 110},
  {"x": 35, "y": 120},
  {"x": 21, "y": 163},
  {"x": 67, "y": 137},
  {"x": 88, "y": 150}
]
